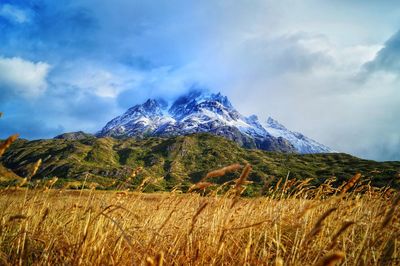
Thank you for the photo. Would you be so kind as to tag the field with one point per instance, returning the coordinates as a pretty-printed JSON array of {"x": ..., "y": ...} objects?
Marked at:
[
  {"x": 321, "y": 226},
  {"x": 286, "y": 221}
]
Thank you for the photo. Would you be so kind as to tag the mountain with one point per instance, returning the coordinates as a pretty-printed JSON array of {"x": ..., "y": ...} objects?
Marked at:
[
  {"x": 298, "y": 140},
  {"x": 74, "y": 135},
  {"x": 203, "y": 112},
  {"x": 179, "y": 162}
]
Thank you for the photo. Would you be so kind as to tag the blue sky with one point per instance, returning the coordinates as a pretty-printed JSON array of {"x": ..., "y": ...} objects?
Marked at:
[{"x": 329, "y": 69}]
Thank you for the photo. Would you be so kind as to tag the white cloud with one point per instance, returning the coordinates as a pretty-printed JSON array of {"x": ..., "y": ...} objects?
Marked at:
[
  {"x": 23, "y": 77},
  {"x": 103, "y": 83},
  {"x": 111, "y": 80},
  {"x": 312, "y": 85},
  {"x": 14, "y": 14},
  {"x": 96, "y": 79}
]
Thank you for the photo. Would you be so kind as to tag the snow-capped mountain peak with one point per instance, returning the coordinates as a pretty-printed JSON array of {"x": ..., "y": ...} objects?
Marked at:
[
  {"x": 199, "y": 111},
  {"x": 272, "y": 123},
  {"x": 137, "y": 120},
  {"x": 149, "y": 108},
  {"x": 196, "y": 99}
]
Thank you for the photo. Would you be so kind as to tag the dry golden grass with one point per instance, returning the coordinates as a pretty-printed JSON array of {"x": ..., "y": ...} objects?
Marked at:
[
  {"x": 296, "y": 225},
  {"x": 53, "y": 227}
]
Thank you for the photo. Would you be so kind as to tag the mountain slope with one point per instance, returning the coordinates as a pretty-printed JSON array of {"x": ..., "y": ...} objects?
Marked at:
[
  {"x": 179, "y": 162},
  {"x": 299, "y": 141},
  {"x": 200, "y": 112},
  {"x": 137, "y": 121},
  {"x": 74, "y": 135}
]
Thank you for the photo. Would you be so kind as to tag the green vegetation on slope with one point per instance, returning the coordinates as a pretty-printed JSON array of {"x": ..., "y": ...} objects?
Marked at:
[{"x": 178, "y": 162}]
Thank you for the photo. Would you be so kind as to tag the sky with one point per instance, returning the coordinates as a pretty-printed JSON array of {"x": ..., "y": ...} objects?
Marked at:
[{"x": 327, "y": 68}]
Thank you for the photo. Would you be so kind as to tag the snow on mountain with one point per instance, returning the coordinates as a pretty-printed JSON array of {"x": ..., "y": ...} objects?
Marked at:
[
  {"x": 198, "y": 112},
  {"x": 137, "y": 121},
  {"x": 302, "y": 143}
]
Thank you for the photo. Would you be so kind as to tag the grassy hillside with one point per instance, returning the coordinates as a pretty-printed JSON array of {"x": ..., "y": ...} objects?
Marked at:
[{"x": 178, "y": 162}]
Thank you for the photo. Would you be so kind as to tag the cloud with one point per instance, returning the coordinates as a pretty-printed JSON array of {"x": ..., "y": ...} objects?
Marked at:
[
  {"x": 300, "y": 64},
  {"x": 61, "y": 109},
  {"x": 55, "y": 30},
  {"x": 22, "y": 77},
  {"x": 14, "y": 14},
  {"x": 89, "y": 76},
  {"x": 388, "y": 58},
  {"x": 311, "y": 85}
]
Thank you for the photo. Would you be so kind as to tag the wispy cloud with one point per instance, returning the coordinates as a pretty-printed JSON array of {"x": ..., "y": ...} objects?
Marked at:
[{"x": 15, "y": 14}]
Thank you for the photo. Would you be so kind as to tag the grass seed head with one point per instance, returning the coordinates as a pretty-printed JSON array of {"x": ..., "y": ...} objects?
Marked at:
[
  {"x": 7, "y": 143},
  {"x": 332, "y": 259},
  {"x": 351, "y": 183},
  {"x": 223, "y": 171}
]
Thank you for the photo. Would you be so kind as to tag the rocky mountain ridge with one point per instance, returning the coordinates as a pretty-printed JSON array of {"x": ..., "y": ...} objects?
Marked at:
[{"x": 202, "y": 112}]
